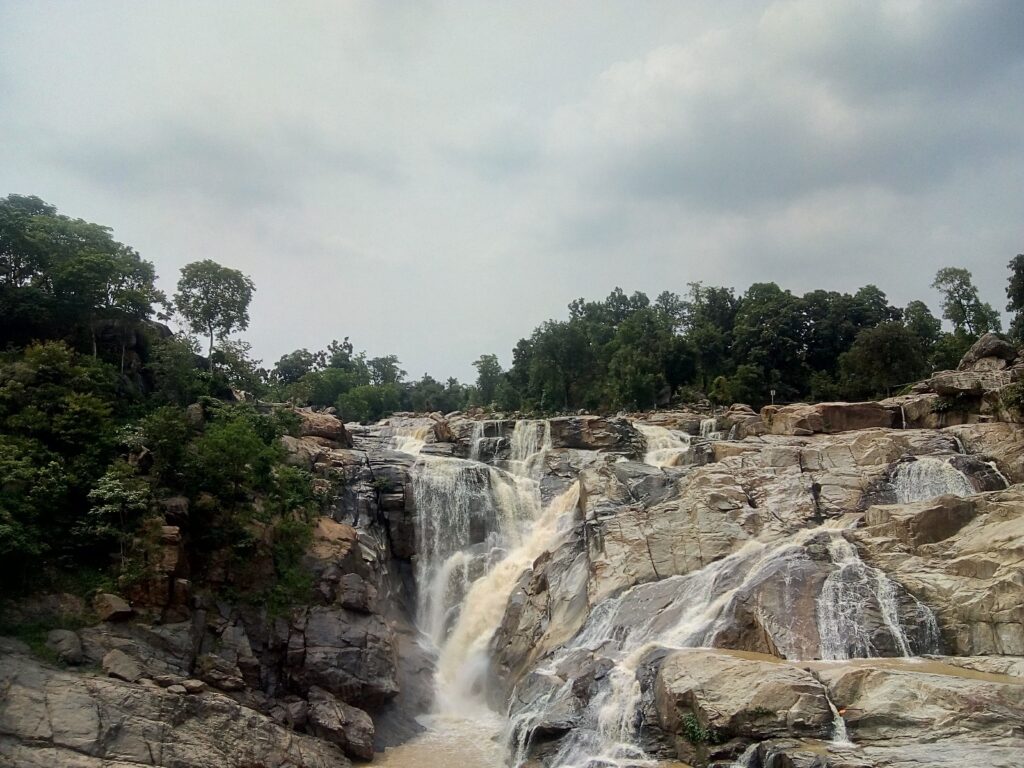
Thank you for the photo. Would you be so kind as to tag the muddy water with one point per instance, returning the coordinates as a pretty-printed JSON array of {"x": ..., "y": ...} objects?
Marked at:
[{"x": 450, "y": 742}]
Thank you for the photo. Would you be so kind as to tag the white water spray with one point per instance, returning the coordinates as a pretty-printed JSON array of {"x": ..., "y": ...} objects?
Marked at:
[
  {"x": 928, "y": 477},
  {"x": 665, "y": 447}
]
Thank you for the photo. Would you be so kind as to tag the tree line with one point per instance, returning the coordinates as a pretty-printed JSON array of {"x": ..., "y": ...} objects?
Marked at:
[{"x": 104, "y": 411}]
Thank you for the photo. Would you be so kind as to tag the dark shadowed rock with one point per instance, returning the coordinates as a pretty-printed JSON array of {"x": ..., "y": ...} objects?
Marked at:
[{"x": 339, "y": 723}]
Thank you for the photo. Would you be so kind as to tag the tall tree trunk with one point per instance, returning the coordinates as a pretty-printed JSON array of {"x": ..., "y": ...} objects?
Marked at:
[{"x": 211, "y": 351}]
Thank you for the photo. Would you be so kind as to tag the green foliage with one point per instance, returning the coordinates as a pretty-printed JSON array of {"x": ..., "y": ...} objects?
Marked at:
[
  {"x": 33, "y": 485},
  {"x": 234, "y": 456},
  {"x": 698, "y": 734},
  {"x": 961, "y": 304},
  {"x": 489, "y": 377},
  {"x": 961, "y": 403},
  {"x": 175, "y": 368},
  {"x": 117, "y": 503},
  {"x": 881, "y": 360},
  {"x": 1012, "y": 397},
  {"x": 213, "y": 299},
  {"x": 369, "y": 403},
  {"x": 293, "y": 583},
  {"x": 1015, "y": 297},
  {"x": 62, "y": 277}
]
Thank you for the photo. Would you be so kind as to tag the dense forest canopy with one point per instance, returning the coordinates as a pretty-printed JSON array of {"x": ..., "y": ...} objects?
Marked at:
[{"x": 104, "y": 410}]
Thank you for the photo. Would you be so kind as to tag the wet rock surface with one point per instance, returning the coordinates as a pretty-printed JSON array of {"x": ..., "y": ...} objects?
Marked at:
[{"x": 709, "y": 606}]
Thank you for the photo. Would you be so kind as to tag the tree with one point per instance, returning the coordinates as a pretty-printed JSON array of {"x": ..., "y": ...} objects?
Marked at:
[
  {"x": 385, "y": 370},
  {"x": 214, "y": 299},
  {"x": 961, "y": 304},
  {"x": 1015, "y": 296},
  {"x": 489, "y": 375},
  {"x": 882, "y": 358}
]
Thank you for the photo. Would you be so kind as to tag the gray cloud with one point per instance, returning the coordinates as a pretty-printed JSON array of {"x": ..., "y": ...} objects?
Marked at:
[{"x": 435, "y": 179}]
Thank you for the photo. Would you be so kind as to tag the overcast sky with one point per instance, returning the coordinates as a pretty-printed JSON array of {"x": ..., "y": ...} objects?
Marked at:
[{"x": 435, "y": 179}]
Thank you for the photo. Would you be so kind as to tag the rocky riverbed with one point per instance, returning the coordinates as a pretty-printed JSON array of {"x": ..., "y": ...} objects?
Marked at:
[{"x": 837, "y": 584}]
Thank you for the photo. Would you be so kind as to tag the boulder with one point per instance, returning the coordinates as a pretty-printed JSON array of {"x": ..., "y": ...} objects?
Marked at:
[
  {"x": 301, "y": 452},
  {"x": 119, "y": 664},
  {"x": 111, "y": 607},
  {"x": 66, "y": 645},
  {"x": 323, "y": 425},
  {"x": 971, "y": 383},
  {"x": 339, "y": 723},
  {"x": 709, "y": 700},
  {"x": 999, "y": 442},
  {"x": 923, "y": 523},
  {"x": 596, "y": 433},
  {"x": 891, "y": 700},
  {"x": 349, "y": 654},
  {"x": 990, "y": 352},
  {"x": 961, "y": 557},
  {"x": 830, "y": 418}
]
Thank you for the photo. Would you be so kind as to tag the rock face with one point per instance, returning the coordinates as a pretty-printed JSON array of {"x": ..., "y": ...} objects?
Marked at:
[
  {"x": 990, "y": 352},
  {"x": 829, "y": 418},
  {"x": 714, "y": 704},
  {"x": 967, "y": 720},
  {"x": 711, "y": 610},
  {"x": 348, "y": 727},
  {"x": 50, "y": 718}
]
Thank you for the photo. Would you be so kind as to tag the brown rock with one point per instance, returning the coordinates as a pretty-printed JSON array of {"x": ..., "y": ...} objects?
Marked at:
[
  {"x": 985, "y": 351},
  {"x": 119, "y": 664},
  {"x": 111, "y": 607},
  {"x": 323, "y": 425}
]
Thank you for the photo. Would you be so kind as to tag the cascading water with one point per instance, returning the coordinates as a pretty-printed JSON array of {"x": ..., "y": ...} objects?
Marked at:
[
  {"x": 479, "y": 528},
  {"x": 470, "y": 514},
  {"x": 678, "y": 612},
  {"x": 530, "y": 439},
  {"x": 410, "y": 439},
  {"x": 928, "y": 477},
  {"x": 463, "y": 662},
  {"x": 709, "y": 429},
  {"x": 665, "y": 447},
  {"x": 851, "y": 592}
]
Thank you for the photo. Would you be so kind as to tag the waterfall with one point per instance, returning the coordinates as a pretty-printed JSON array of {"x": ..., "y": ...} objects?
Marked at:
[
  {"x": 691, "y": 611},
  {"x": 928, "y": 477},
  {"x": 464, "y": 659},
  {"x": 677, "y": 612},
  {"x": 851, "y": 592},
  {"x": 468, "y": 514},
  {"x": 665, "y": 448},
  {"x": 709, "y": 429},
  {"x": 840, "y": 737},
  {"x": 529, "y": 439},
  {"x": 479, "y": 529},
  {"x": 410, "y": 439},
  {"x": 479, "y": 429},
  {"x": 999, "y": 474}
]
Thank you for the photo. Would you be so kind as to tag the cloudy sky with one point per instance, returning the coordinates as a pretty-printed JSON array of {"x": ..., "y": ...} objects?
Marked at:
[{"x": 434, "y": 179}]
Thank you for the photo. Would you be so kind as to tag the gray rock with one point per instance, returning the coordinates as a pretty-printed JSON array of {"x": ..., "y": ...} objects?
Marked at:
[
  {"x": 119, "y": 664},
  {"x": 339, "y": 723},
  {"x": 349, "y": 654},
  {"x": 989, "y": 346},
  {"x": 52, "y": 718},
  {"x": 66, "y": 644}
]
